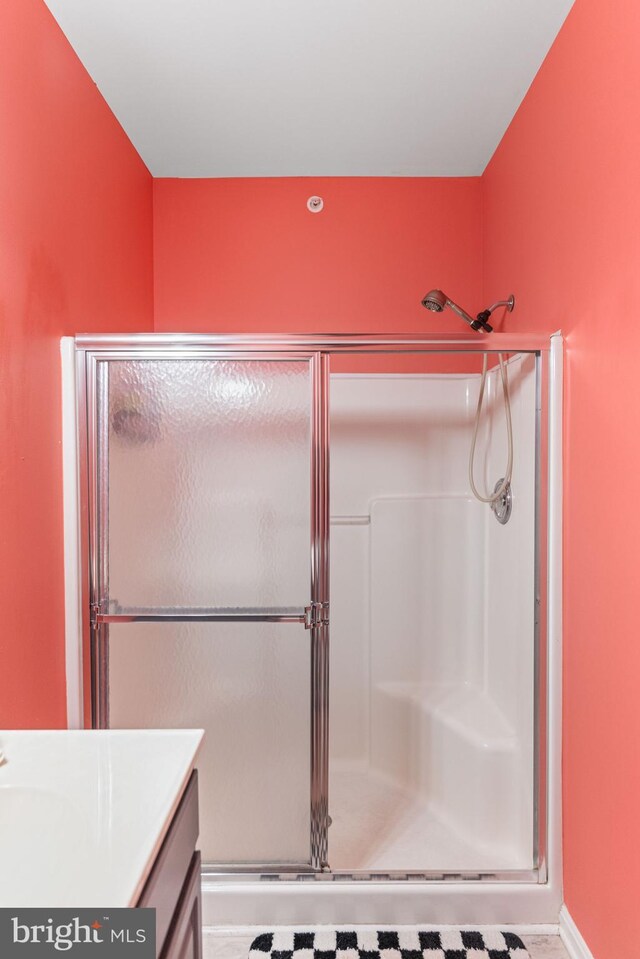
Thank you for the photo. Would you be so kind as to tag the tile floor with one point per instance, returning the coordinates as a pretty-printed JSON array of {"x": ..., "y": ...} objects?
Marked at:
[
  {"x": 545, "y": 947},
  {"x": 219, "y": 945}
]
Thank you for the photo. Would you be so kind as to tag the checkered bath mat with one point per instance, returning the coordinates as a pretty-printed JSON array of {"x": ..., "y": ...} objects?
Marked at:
[{"x": 331, "y": 944}]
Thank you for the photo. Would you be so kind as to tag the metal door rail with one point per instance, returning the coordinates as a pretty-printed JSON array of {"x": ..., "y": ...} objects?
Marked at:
[
  {"x": 202, "y": 616},
  {"x": 437, "y": 342}
]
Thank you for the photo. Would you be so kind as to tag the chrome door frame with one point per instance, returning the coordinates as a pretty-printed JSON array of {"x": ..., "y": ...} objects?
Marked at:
[
  {"x": 284, "y": 346},
  {"x": 314, "y": 617}
]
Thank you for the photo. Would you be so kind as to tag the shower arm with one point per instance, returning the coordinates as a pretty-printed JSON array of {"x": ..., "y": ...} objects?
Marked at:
[{"x": 483, "y": 317}]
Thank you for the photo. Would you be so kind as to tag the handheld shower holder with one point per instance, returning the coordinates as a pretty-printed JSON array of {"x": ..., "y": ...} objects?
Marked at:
[
  {"x": 481, "y": 320},
  {"x": 503, "y": 506}
]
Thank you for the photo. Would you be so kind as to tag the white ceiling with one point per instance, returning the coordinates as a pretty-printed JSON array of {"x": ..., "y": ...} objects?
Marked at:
[{"x": 212, "y": 88}]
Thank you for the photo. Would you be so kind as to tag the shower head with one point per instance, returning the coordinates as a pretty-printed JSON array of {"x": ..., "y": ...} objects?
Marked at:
[{"x": 435, "y": 300}]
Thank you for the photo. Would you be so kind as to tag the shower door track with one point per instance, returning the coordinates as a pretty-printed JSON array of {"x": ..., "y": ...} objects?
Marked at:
[
  {"x": 258, "y": 873},
  {"x": 188, "y": 344}
]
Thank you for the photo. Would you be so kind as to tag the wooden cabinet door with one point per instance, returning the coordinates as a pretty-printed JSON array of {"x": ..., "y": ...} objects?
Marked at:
[{"x": 185, "y": 935}]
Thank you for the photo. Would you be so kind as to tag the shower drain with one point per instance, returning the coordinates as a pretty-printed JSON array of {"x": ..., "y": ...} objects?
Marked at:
[{"x": 504, "y": 504}]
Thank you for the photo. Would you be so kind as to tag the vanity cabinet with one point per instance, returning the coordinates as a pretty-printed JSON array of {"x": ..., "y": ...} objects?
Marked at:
[{"x": 173, "y": 887}]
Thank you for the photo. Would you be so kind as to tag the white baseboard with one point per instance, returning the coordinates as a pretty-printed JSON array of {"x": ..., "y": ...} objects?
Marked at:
[{"x": 571, "y": 937}]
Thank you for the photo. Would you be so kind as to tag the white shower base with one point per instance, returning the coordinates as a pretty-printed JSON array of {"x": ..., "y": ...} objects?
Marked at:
[
  {"x": 360, "y": 902},
  {"x": 440, "y": 789},
  {"x": 378, "y": 826}
]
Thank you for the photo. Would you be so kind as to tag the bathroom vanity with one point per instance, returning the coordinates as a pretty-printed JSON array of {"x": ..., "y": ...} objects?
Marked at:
[{"x": 104, "y": 818}]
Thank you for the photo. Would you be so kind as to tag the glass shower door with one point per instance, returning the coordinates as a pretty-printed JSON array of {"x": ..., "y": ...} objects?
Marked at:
[{"x": 207, "y": 527}]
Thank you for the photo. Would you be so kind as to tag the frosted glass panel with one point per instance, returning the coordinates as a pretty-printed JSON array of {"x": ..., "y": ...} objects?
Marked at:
[
  {"x": 247, "y": 685},
  {"x": 208, "y": 473}
]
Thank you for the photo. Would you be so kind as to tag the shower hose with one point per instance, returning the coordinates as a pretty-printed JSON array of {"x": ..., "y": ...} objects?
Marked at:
[{"x": 493, "y": 497}]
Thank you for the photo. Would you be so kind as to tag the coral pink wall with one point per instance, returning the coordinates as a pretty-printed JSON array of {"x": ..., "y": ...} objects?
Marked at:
[
  {"x": 75, "y": 254},
  {"x": 246, "y": 254},
  {"x": 561, "y": 215},
  {"x": 562, "y": 228}
]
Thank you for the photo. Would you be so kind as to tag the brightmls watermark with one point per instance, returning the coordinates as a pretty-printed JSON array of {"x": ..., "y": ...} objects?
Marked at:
[{"x": 78, "y": 933}]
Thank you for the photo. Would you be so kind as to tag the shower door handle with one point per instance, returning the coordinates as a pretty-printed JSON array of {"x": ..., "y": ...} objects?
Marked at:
[{"x": 202, "y": 615}]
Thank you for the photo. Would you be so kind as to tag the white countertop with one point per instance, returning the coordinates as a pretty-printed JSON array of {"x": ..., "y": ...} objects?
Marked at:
[{"x": 83, "y": 813}]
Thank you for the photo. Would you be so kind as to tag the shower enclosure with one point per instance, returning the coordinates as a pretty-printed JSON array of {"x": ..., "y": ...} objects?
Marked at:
[{"x": 246, "y": 498}]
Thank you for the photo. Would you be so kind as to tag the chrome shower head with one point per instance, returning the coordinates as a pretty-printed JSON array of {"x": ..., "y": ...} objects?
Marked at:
[{"x": 435, "y": 300}]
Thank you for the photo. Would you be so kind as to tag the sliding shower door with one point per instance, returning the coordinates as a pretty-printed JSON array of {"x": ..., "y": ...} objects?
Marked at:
[
  {"x": 208, "y": 538},
  {"x": 435, "y": 617}
]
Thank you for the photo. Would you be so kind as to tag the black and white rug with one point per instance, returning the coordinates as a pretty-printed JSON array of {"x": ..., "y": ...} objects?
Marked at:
[{"x": 402, "y": 944}]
